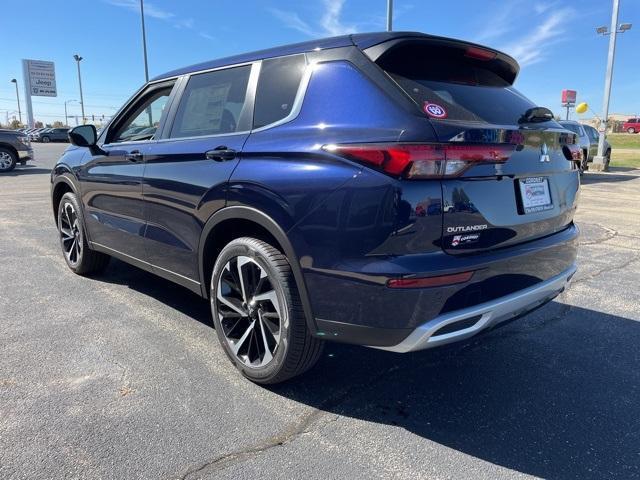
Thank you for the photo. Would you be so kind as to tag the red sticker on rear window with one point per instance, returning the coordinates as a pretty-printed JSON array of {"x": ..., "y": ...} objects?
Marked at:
[{"x": 434, "y": 110}]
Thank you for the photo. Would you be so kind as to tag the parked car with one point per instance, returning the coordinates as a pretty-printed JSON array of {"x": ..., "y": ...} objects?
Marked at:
[
  {"x": 14, "y": 149},
  {"x": 52, "y": 135},
  {"x": 632, "y": 125},
  {"x": 588, "y": 141},
  {"x": 301, "y": 190},
  {"x": 33, "y": 135}
]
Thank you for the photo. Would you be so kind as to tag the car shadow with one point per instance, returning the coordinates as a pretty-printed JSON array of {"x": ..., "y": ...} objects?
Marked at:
[
  {"x": 554, "y": 394},
  {"x": 613, "y": 175},
  {"x": 26, "y": 170}
]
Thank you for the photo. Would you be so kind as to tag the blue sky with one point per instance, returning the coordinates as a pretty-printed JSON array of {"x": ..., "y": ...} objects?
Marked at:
[{"x": 554, "y": 41}]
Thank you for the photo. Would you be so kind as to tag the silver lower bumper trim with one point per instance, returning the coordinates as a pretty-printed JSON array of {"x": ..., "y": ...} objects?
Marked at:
[
  {"x": 489, "y": 314},
  {"x": 25, "y": 154}
]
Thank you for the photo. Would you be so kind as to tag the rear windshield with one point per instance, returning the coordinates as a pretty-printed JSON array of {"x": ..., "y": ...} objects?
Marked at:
[
  {"x": 465, "y": 88},
  {"x": 572, "y": 126},
  {"x": 470, "y": 100}
]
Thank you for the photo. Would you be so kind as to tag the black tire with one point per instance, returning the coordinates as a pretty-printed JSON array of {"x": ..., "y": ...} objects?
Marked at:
[
  {"x": 607, "y": 158},
  {"x": 295, "y": 350},
  {"x": 8, "y": 160},
  {"x": 631, "y": 130},
  {"x": 45, "y": 139},
  {"x": 71, "y": 232}
]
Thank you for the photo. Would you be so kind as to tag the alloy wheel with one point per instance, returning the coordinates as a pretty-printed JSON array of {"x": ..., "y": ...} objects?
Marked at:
[
  {"x": 5, "y": 161},
  {"x": 249, "y": 311},
  {"x": 71, "y": 234}
]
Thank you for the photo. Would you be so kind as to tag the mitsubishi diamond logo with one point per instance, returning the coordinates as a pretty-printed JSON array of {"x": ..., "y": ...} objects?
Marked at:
[{"x": 544, "y": 153}]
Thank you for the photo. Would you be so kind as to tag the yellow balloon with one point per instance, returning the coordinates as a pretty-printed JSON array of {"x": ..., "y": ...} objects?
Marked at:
[{"x": 582, "y": 107}]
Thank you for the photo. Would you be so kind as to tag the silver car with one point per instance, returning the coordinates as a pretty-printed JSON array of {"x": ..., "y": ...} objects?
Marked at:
[{"x": 588, "y": 141}]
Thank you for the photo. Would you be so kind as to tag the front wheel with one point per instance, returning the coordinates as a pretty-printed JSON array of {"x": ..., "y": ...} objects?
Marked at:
[
  {"x": 258, "y": 314},
  {"x": 73, "y": 240},
  {"x": 46, "y": 139},
  {"x": 7, "y": 160}
]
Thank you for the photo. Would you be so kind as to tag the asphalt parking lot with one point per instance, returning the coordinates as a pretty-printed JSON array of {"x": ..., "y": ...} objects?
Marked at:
[{"x": 121, "y": 376}]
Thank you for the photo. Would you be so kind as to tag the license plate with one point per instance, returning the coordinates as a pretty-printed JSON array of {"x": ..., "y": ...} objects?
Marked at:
[{"x": 535, "y": 194}]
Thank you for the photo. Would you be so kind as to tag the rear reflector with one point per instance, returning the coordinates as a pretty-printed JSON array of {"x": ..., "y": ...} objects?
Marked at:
[
  {"x": 424, "y": 282},
  {"x": 418, "y": 161}
]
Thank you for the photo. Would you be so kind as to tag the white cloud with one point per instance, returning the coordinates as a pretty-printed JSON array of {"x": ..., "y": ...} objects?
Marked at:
[
  {"x": 532, "y": 48},
  {"x": 528, "y": 33},
  {"x": 330, "y": 23},
  {"x": 149, "y": 9},
  {"x": 293, "y": 21}
]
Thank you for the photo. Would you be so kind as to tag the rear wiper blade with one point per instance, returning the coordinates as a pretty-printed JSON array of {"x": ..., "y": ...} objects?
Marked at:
[{"x": 536, "y": 114}]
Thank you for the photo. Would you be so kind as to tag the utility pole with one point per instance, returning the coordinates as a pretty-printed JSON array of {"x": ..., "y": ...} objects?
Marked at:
[
  {"x": 599, "y": 160},
  {"x": 13, "y": 80},
  {"x": 389, "y": 15},
  {"x": 144, "y": 42},
  {"x": 78, "y": 58},
  {"x": 66, "y": 121}
]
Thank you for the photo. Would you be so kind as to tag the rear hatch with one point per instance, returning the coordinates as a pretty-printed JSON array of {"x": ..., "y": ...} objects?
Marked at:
[{"x": 465, "y": 95}]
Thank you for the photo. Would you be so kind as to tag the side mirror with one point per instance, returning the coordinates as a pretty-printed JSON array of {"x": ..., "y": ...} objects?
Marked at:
[{"x": 83, "y": 136}]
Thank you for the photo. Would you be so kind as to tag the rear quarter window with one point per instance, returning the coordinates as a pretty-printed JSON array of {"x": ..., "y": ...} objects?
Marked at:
[
  {"x": 467, "y": 89},
  {"x": 277, "y": 88}
]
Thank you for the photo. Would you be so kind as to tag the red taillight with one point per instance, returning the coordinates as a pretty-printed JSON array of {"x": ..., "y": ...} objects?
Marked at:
[
  {"x": 575, "y": 151},
  {"x": 479, "y": 53},
  {"x": 424, "y": 282},
  {"x": 423, "y": 160}
]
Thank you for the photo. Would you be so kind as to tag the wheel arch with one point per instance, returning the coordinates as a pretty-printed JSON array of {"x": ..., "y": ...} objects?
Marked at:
[
  {"x": 62, "y": 183},
  {"x": 237, "y": 221},
  {"x": 10, "y": 147}
]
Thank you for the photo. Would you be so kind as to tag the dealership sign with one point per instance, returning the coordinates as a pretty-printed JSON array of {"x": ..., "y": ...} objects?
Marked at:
[
  {"x": 569, "y": 97},
  {"x": 40, "y": 76}
]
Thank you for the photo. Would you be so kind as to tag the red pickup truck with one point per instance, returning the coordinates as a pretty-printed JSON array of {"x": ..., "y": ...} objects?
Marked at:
[{"x": 632, "y": 125}]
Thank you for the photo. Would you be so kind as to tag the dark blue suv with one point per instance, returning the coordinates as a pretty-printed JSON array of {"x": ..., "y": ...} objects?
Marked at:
[{"x": 387, "y": 189}]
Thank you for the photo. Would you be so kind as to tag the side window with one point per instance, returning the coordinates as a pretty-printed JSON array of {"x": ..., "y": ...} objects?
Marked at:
[
  {"x": 277, "y": 88},
  {"x": 213, "y": 103},
  {"x": 142, "y": 122}
]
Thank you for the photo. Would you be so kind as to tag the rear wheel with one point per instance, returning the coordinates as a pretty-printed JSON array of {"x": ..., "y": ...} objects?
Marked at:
[
  {"x": 631, "y": 130},
  {"x": 73, "y": 240},
  {"x": 8, "y": 160},
  {"x": 607, "y": 158},
  {"x": 258, "y": 314}
]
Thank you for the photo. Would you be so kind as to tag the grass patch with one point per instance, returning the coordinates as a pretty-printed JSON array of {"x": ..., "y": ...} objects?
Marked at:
[
  {"x": 627, "y": 158},
  {"x": 624, "y": 140}
]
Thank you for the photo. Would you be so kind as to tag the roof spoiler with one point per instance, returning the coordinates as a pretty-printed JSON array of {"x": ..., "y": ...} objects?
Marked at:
[{"x": 500, "y": 63}]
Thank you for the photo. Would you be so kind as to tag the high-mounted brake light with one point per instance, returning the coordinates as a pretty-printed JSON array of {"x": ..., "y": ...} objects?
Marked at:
[
  {"x": 417, "y": 161},
  {"x": 479, "y": 53}
]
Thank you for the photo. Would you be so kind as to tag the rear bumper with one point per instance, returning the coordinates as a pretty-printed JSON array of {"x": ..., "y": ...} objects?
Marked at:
[{"x": 470, "y": 321}]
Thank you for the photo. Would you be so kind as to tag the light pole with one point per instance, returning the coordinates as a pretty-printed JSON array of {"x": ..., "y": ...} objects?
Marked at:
[
  {"x": 144, "y": 42},
  {"x": 599, "y": 160},
  {"x": 66, "y": 121},
  {"x": 13, "y": 80},
  {"x": 78, "y": 58},
  {"x": 389, "y": 15}
]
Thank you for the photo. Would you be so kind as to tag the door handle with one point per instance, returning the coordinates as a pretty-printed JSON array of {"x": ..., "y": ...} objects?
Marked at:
[
  {"x": 221, "y": 154},
  {"x": 134, "y": 156}
]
